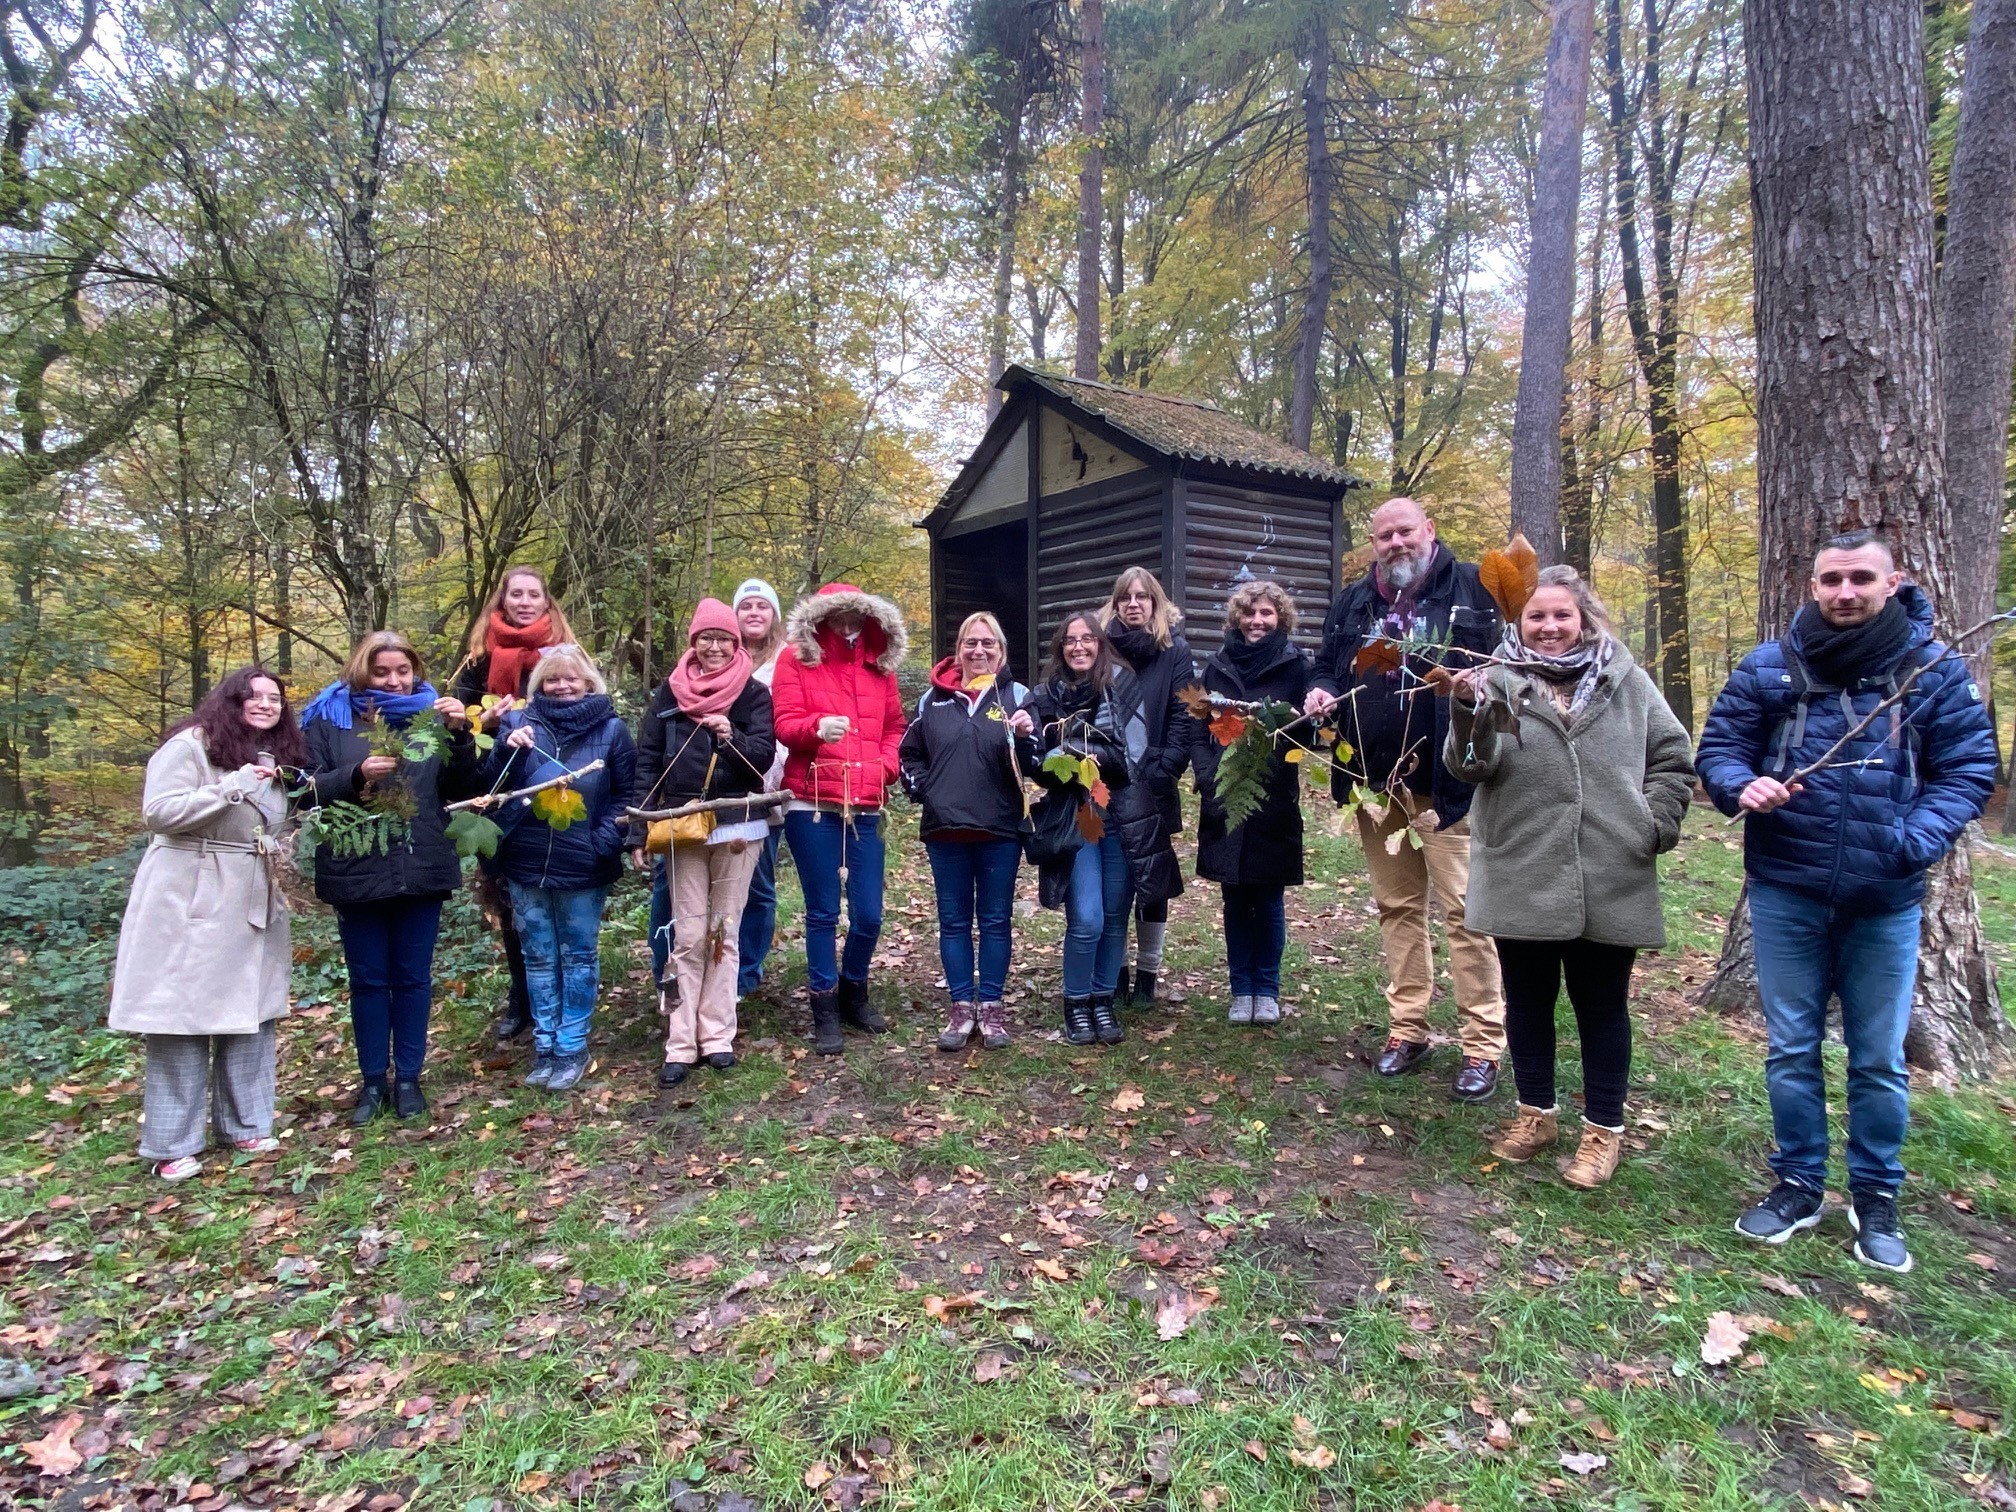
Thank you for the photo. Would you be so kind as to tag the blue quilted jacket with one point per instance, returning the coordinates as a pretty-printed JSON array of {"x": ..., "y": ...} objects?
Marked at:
[
  {"x": 1859, "y": 838},
  {"x": 585, "y": 854}
]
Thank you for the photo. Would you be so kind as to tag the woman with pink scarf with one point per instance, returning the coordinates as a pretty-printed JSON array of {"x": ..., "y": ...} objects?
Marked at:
[{"x": 707, "y": 734}]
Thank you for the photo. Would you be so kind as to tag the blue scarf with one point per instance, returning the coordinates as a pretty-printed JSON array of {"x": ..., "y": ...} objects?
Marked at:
[{"x": 339, "y": 703}]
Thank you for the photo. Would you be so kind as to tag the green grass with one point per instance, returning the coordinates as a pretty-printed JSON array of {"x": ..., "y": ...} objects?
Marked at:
[{"x": 923, "y": 1281}]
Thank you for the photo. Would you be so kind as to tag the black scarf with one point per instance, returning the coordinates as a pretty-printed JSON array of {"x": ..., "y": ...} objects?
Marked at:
[
  {"x": 570, "y": 721},
  {"x": 1073, "y": 697},
  {"x": 1136, "y": 647},
  {"x": 1251, "y": 658},
  {"x": 1844, "y": 656}
]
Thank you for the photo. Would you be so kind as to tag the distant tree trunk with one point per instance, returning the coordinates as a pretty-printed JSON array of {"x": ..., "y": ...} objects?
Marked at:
[
  {"x": 1004, "y": 262},
  {"x": 1092, "y": 124},
  {"x": 1322, "y": 279},
  {"x": 1977, "y": 313},
  {"x": 1550, "y": 281},
  {"x": 1848, "y": 410},
  {"x": 1578, "y": 451}
]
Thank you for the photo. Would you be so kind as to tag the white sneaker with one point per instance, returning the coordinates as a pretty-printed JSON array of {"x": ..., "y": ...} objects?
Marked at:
[
  {"x": 1266, "y": 1010},
  {"x": 1242, "y": 1009}
]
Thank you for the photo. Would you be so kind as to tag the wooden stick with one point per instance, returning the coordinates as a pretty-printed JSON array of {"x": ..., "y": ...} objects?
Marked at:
[
  {"x": 491, "y": 800},
  {"x": 708, "y": 806}
]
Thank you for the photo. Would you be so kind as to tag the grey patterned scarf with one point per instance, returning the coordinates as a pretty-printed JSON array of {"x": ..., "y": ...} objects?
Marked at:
[{"x": 1583, "y": 666}]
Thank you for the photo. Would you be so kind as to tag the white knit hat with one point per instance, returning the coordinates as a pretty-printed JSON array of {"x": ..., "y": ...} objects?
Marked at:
[{"x": 757, "y": 588}]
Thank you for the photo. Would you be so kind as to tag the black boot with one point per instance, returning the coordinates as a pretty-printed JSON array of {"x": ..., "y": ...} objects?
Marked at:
[
  {"x": 1105, "y": 1022},
  {"x": 513, "y": 1022},
  {"x": 1144, "y": 990},
  {"x": 1078, "y": 1028},
  {"x": 1123, "y": 990},
  {"x": 373, "y": 1098},
  {"x": 826, "y": 1023},
  {"x": 408, "y": 1101},
  {"x": 857, "y": 1012}
]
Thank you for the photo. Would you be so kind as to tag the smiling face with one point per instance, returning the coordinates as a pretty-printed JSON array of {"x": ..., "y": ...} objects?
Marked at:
[
  {"x": 1136, "y": 606},
  {"x": 391, "y": 672},
  {"x": 563, "y": 685},
  {"x": 1260, "y": 620},
  {"x": 980, "y": 652},
  {"x": 1081, "y": 646},
  {"x": 1403, "y": 538},
  {"x": 1551, "y": 623},
  {"x": 1851, "y": 587},
  {"x": 263, "y": 704},
  {"x": 712, "y": 649},
  {"x": 524, "y": 599},
  {"x": 754, "y": 617}
]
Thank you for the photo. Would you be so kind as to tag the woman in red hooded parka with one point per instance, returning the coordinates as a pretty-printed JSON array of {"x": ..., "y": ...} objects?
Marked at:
[{"x": 840, "y": 718}]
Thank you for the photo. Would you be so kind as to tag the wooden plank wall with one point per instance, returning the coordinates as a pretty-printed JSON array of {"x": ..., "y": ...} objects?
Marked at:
[
  {"x": 1088, "y": 535},
  {"x": 982, "y": 570},
  {"x": 1234, "y": 533}
]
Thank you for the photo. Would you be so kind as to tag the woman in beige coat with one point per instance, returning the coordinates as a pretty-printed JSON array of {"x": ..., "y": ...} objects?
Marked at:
[
  {"x": 204, "y": 950},
  {"x": 1569, "y": 818}
]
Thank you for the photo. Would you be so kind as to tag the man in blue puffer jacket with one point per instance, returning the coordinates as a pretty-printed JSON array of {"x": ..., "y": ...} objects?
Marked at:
[{"x": 1836, "y": 863}]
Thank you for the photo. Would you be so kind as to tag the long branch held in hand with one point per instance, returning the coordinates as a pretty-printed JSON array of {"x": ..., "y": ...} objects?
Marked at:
[
  {"x": 492, "y": 800},
  {"x": 709, "y": 806}
]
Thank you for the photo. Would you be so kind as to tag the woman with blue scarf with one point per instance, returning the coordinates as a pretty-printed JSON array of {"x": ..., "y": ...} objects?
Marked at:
[
  {"x": 387, "y": 899},
  {"x": 560, "y": 878}
]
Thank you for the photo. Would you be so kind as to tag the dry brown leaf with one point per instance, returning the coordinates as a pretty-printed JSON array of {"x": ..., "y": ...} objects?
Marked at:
[
  {"x": 1499, "y": 1434},
  {"x": 989, "y": 1365},
  {"x": 1377, "y": 656},
  {"x": 1584, "y": 1464},
  {"x": 1724, "y": 1340},
  {"x": 1316, "y": 1457},
  {"x": 699, "y": 1268},
  {"x": 939, "y": 1307},
  {"x": 1052, "y": 1269},
  {"x": 1257, "y": 1449},
  {"x": 53, "y": 1453},
  {"x": 1179, "y": 1308},
  {"x": 817, "y": 1474},
  {"x": 1128, "y": 1100}
]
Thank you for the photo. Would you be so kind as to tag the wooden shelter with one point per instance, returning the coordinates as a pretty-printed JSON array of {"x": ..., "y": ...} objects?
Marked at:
[{"x": 1075, "y": 480}]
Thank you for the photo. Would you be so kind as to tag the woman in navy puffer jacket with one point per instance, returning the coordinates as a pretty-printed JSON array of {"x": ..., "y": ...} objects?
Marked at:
[{"x": 559, "y": 878}]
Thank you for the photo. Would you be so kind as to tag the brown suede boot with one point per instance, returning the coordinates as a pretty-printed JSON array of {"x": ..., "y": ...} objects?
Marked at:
[
  {"x": 1531, "y": 1131},
  {"x": 1596, "y": 1161}
]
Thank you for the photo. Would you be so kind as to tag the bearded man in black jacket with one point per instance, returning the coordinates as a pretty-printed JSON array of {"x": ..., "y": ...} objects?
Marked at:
[{"x": 1395, "y": 729}]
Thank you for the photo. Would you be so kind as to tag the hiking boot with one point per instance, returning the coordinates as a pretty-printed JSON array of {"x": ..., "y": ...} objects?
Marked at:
[
  {"x": 373, "y": 1098},
  {"x": 1266, "y": 1010},
  {"x": 1144, "y": 990},
  {"x": 857, "y": 1012},
  {"x": 1531, "y": 1131},
  {"x": 720, "y": 1060},
  {"x": 673, "y": 1072},
  {"x": 513, "y": 1023},
  {"x": 1877, "y": 1242},
  {"x": 1105, "y": 1022},
  {"x": 542, "y": 1069},
  {"x": 1475, "y": 1080},
  {"x": 826, "y": 1023},
  {"x": 567, "y": 1071},
  {"x": 993, "y": 1026},
  {"x": 1787, "y": 1209},
  {"x": 959, "y": 1026},
  {"x": 1241, "y": 1011},
  {"x": 408, "y": 1101},
  {"x": 1595, "y": 1160},
  {"x": 1401, "y": 1056},
  {"x": 1078, "y": 1026},
  {"x": 1123, "y": 989}
]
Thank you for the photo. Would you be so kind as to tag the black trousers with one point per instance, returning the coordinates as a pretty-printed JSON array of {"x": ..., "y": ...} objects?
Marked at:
[{"x": 1599, "y": 987}]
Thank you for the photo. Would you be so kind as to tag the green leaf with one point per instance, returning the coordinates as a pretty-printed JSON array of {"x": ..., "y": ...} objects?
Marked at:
[{"x": 473, "y": 835}]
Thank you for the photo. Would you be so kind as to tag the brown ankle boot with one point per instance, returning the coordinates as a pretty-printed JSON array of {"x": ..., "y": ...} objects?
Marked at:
[
  {"x": 958, "y": 1027},
  {"x": 994, "y": 1026},
  {"x": 1596, "y": 1161},
  {"x": 1531, "y": 1131}
]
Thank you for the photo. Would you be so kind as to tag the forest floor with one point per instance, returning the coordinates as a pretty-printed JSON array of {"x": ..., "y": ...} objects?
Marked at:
[{"x": 1210, "y": 1268}]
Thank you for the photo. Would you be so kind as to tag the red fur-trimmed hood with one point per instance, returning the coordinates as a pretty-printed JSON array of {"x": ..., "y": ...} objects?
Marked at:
[{"x": 884, "y": 638}]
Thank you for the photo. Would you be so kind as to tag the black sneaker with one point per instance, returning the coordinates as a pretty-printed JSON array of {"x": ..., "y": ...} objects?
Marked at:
[
  {"x": 408, "y": 1101},
  {"x": 1874, "y": 1216},
  {"x": 721, "y": 1060},
  {"x": 673, "y": 1072},
  {"x": 373, "y": 1098},
  {"x": 1788, "y": 1209}
]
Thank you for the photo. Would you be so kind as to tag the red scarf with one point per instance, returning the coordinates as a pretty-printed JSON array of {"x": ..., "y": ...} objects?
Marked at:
[
  {"x": 703, "y": 693},
  {"x": 513, "y": 651}
]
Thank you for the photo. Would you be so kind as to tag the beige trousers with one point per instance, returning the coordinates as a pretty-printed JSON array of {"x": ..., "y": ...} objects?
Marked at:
[
  {"x": 709, "y": 884},
  {"x": 1401, "y": 879}
]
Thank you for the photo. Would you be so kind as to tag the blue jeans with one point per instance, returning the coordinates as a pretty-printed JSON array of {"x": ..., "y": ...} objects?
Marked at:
[
  {"x": 561, "y": 930},
  {"x": 759, "y": 916},
  {"x": 1256, "y": 932},
  {"x": 976, "y": 885},
  {"x": 389, "y": 948},
  {"x": 1807, "y": 953},
  {"x": 1096, "y": 905},
  {"x": 819, "y": 841}
]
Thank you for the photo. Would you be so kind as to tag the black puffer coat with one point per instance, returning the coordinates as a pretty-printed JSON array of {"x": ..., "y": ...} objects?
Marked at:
[
  {"x": 673, "y": 752},
  {"x": 961, "y": 763},
  {"x": 1115, "y": 733},
  {"x": 1163, "y": 672},
  {"x": 1267, "y": 849},
  {"x": 425, "y": 865}
]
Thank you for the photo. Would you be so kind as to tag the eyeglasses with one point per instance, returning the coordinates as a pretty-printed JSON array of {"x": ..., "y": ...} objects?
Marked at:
[
  {"x": 1080, "y": 640},
  {"x": 978, "y": 643},
  {"x": 714, "y": 638},
  {"x": 568, "y": 647},
  {"x": 277, "y": 700}
]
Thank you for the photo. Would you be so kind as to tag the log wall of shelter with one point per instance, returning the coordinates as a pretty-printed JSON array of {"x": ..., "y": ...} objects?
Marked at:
[
  {"x": 1087, "y": 535},
  {"x": 1230, "y": 534}
]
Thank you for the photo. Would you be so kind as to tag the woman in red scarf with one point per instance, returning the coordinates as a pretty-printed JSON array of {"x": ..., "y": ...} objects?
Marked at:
[
  {"x": 706, "y": 734},
  {"x": 519, "y": 619}
]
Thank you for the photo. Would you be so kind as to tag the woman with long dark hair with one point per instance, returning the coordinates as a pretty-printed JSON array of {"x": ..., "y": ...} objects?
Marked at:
[{"x": 204, "y": 951}]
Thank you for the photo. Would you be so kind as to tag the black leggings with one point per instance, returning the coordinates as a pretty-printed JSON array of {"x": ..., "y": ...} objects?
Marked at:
[{"x": 1599, "y": 987}]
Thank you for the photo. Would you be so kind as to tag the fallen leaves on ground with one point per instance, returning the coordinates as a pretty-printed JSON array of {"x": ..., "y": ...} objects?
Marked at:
[
  {"x": 1178, "y": 1309},
  {"x": 53, "y": 1453},
  {"x": 1128, "y": 1100},
  {"x": 1583, "y": 1463},
  {"x": 1724, "y": 1340}
]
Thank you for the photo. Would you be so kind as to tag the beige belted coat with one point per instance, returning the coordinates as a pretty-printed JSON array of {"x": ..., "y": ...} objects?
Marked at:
[{"x": 205, "y": 946}]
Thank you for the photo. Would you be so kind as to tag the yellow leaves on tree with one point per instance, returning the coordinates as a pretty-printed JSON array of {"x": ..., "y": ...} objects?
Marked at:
[{"x": 1511, "y": 575}]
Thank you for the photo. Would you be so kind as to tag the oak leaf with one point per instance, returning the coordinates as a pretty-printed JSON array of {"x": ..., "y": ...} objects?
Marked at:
[
  {"x": 1128, "y": 1100},
  {"x": 1376, "y": 656},
  {"x": 1724, "y": 1340},
  {"x": 53, "y": 1453}
]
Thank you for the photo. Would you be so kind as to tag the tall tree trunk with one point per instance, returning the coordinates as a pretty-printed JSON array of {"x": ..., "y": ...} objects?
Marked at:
[
  {"x": 1848, "y": 411},
  {"x": 1578, "y": 452},
  {"x": 1004, "y": 261},
  {"x": 1655, "y": 342},
  {"x": 1092, "y": 125},
  {"x": 1977, "y": 313},
  {"x": 1322, "y": 278},
  {"x": 1550, "y": 281}
]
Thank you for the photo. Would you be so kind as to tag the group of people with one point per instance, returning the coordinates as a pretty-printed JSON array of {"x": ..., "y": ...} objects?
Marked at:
[{"x": 1525, "y": 775}]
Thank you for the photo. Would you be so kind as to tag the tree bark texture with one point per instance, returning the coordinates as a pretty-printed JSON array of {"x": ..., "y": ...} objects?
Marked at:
[
  {"x": 1004, "y": 260},
  {"x": 1092, "y": 125},
  {"x": 1322, "y": 276},
  {"x": 1977, "y": 312},
  {"x": 1550, "y": 281},
  {"x": 1848, "y": 405}
]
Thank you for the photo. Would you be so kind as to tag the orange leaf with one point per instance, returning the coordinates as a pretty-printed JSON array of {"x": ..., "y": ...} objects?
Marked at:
[
  {"x": 1228, "y": 727},
  {"x": 1196, "y": 701},
  {"x": 1090, "y": 825},
  {"x": 1379, "y": 656},
  {"x": 1101, "y": 794},
  {"x": 1511, "y": 575}
]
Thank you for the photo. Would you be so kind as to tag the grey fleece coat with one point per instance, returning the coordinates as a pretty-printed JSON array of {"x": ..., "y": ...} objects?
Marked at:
[{"x": 1569, "y": 818}]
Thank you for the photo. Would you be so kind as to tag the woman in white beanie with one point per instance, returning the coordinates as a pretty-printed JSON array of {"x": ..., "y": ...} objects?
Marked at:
[{"x": 760, "y": 614}]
